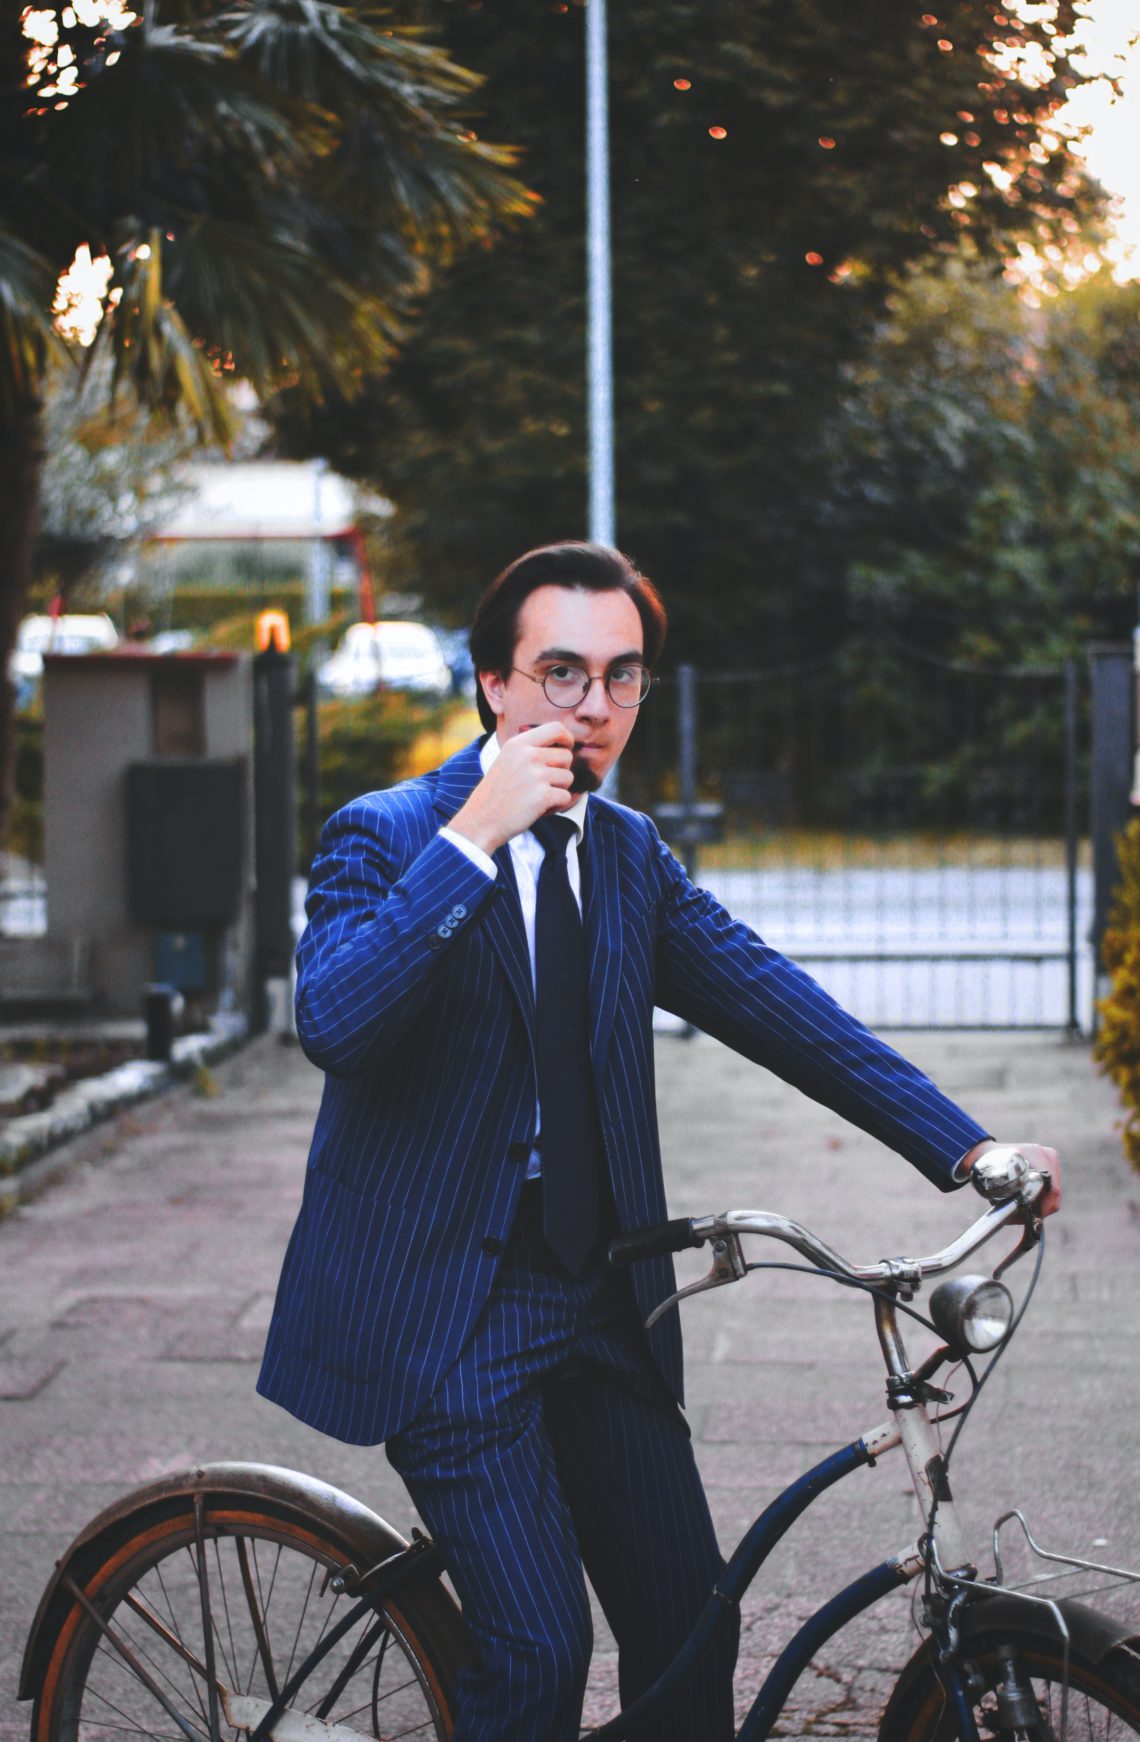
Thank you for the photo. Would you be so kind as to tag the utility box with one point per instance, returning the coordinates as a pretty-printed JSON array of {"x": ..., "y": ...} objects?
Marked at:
[
  {"x": 184, "y": 842},
  {"x": 148, "y": 823}
]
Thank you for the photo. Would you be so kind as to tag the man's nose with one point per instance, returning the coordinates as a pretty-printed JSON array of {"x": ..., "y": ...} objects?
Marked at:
[{"x": 595, "y": 704}]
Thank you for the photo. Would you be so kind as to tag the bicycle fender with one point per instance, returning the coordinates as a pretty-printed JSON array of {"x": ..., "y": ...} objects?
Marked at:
[
  {"x": 368, "y": 1538},
  {"x": 1092, "y": 1636}
]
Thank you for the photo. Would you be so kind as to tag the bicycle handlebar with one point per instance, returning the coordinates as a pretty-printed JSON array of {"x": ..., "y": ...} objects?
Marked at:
[
  {"x": 685, "y": 1231},
  {"x": 655, "y": 1241}
]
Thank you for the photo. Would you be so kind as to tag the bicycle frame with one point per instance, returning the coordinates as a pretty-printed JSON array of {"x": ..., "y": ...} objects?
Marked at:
[
  {"x": 747, "y": 1559},
  {"x": 911, "y": 1428}
]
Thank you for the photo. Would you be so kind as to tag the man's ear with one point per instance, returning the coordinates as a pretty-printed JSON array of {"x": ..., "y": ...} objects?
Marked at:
[{"x": 493, "y": 684}]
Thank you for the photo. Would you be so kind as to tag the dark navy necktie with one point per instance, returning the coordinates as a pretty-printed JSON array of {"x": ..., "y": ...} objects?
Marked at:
[{"x": 571, "y": 1150}]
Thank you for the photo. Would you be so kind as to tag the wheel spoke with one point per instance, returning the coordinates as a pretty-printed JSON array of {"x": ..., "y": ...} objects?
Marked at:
[
  {"x": 230, "y": 1662},
  {"x": 300, "y": 1624},
  {"x": 159, "y": 1626},
  {"x": 132, "y": 1661},
  {"x": 130, "y": 1727},
  {"x": 206, "y": 1619},
  {"x": 177, "y": 1688},
  {"x": 353, "y": 1662},
  {"x": 256, "y": 1618}
]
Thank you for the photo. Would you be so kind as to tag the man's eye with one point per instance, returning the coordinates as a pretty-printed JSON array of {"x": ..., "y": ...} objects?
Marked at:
[
  {"x": 563, "y": 673},
  {"x": 625, "y": 674}
]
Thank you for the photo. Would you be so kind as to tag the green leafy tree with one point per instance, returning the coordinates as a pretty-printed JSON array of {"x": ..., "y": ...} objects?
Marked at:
[
  {"x": 985, "y": 469},
  {"x": 271, "y": 180},
  {"x": 110, "y": 474},
  {"x": 776, "y": 169}
]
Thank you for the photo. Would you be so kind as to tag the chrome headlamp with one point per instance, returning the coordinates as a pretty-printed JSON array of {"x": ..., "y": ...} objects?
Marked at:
[{"x": 972, "y": 1313}]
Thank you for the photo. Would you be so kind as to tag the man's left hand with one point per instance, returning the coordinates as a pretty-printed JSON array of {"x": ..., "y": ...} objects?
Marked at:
[{"x": 1040, "y": 1159}]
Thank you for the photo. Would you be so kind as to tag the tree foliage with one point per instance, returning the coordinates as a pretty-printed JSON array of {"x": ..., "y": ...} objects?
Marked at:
[
  {"x": 776, "y": 169},
  {"x": 270, "y": 182},
  {"x": 1117, "y": 1046},
  {"x": 111, "y": 473},
  {"x": 984, "y": 469}
]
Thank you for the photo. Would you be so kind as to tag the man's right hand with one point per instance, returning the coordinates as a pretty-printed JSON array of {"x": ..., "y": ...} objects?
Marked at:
[{"x": 530, "y": 778}]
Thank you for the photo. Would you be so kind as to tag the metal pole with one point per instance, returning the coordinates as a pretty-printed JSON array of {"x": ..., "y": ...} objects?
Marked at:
[
  {"x": 687, "y": 776},
  {"x": 318, "y": 577},
  {"x": 687, "y": 761},
  {"x": 599, "y": 299},
  {"x": 275, "y": 831},
  {"x": 1071, "y": 831},
  {"x": 600, "y": 379},
  {"x": 312, "y": 767}
]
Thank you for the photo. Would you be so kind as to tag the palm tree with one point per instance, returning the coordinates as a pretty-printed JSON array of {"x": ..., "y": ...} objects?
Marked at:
[{"x": 272, "y": 182}]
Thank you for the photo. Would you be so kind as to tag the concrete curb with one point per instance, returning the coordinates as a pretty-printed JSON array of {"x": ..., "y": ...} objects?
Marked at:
[{"x": 27, "y": 1140}]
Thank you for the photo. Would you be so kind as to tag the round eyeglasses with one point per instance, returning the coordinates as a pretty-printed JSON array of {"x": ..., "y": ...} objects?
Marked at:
[{"x": 566, "y": 686}]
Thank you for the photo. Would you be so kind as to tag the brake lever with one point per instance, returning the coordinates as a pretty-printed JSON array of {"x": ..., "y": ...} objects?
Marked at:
[
  {"x": 1030, "y": 1236},
  {"x": 728, "y": 1266}
]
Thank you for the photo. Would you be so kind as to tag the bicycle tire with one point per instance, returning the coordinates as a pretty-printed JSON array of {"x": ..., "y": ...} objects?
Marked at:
[
  {"x": 269, "y": 1601},
  {"x": 1103, "y": 1697}
]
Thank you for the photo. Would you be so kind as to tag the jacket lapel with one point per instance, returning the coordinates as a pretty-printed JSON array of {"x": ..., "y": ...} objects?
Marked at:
[
  {"x": 456, "y": 780},
  {"x": 502, "y": 926},
  {"x": 504, "y": 930},
  {"x": 602, "y": 918}
]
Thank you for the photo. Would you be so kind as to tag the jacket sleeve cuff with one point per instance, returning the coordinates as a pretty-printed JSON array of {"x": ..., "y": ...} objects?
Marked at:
[
  {"x": 960, "y": 1173},
  {"x": 476, "y": 854}
]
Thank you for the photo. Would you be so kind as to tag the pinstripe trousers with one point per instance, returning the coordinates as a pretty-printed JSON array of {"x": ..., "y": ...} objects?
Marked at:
[{"x": 553, "y": 1446}]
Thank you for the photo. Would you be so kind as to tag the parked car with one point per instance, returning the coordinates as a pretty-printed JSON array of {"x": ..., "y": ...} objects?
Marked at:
[
  {"x": 457, "y": 653},
  {"x": 389, "y": 654},
  {"x": 72, "y": 632}
]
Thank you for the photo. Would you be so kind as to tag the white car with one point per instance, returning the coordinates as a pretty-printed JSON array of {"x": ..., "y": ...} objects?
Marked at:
[
  {"x": 386, "y": 655},
  {"x": 72, "y": 632}
]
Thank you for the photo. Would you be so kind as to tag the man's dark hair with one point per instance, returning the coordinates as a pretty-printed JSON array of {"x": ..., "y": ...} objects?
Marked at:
[{"x": 596, "y": 568}]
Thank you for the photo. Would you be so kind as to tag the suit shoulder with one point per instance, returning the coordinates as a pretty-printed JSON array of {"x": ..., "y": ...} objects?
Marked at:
[
  {"x": 639, "y": 846},
  {"x": 406, "y": 804},
  {"x": 630, "y": 824}
]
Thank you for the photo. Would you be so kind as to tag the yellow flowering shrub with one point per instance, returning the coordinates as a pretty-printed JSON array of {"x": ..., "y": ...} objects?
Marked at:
[{"x": 1117, "y": 1045}]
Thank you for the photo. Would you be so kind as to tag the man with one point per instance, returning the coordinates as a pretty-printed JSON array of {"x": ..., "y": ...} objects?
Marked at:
[{"x": 485, "y": 948}]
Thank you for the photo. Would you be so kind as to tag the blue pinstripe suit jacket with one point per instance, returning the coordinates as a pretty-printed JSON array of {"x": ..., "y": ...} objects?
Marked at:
[{"x": 414, "y": 995}]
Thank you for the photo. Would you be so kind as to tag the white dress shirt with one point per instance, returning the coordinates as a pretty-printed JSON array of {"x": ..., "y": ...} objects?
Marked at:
[{"x": 527, "y": 854}]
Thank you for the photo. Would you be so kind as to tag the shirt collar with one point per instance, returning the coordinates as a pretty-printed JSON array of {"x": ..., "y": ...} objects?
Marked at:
[{"x": 489, "y": 750}]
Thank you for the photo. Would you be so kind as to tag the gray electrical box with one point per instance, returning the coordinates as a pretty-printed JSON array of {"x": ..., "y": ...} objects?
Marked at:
[{"x": 148, "y": 820}]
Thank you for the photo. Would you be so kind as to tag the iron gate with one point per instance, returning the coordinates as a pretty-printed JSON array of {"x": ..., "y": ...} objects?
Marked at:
[{"x": 903, "y": 827}]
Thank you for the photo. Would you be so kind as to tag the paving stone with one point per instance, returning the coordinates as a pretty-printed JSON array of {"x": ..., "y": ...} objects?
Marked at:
[
  {"x": 23, "y": 1379},
  {"x": 134, "y": 1295}
]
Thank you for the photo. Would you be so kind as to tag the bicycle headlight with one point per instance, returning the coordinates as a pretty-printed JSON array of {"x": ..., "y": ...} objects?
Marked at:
[{"x": 972, "y": 1313}]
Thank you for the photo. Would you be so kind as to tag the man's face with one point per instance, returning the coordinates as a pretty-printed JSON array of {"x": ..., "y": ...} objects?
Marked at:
[{"x": 568, "y": 626}]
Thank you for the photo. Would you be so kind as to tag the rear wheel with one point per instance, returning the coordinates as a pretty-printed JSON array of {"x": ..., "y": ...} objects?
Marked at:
[
  {"x": 192, "y": 1624},
  {"x": 1103, "y": 1699}
]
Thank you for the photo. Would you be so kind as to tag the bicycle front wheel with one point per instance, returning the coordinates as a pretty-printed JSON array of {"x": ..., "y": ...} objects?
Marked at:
[
  {"x": 1101, "y": 1700},
  {"x": 192, "y": 1625}
]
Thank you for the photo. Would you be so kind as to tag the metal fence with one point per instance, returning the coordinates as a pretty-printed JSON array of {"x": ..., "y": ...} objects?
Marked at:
[
  {"x": 23, "y": 898},
  {"x": 905, "y": 828}
]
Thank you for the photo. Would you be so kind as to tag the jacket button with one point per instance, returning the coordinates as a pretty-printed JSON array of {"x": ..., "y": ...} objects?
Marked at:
[
  {"x": 518, "y": 1151},
  {"x": 443, "y": 931},
  {"x": 459, "y": 911},
  {"x": 492, "y": 1246},
  {"x": 434, "y": 942}
]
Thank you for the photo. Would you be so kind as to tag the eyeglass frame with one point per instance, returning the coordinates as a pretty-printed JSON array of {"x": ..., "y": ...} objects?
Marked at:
[{"x": 590, "y": 679}]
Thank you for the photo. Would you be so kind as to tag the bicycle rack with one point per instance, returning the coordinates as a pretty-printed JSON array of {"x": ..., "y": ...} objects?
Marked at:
[{"x": 1111, "y": 1577}]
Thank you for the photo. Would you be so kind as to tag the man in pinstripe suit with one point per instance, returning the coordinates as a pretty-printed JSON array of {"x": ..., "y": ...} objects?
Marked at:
[{"x": 430, "y": 1297}]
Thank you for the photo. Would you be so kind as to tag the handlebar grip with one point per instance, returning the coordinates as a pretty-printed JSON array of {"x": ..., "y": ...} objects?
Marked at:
[{"x": 652, "y": 1242}]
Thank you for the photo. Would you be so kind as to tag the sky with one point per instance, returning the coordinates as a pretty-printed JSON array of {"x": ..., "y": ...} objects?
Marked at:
[
  {"x": 1112, "y": 147},
  {"x": 1109, "y": 123}
]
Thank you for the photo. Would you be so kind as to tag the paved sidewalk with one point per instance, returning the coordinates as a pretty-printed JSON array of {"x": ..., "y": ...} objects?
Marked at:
[{"x": 134, "y": 1296}]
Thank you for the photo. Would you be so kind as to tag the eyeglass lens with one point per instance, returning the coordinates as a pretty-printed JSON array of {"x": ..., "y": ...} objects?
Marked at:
[{"x": 626, "y": 685}]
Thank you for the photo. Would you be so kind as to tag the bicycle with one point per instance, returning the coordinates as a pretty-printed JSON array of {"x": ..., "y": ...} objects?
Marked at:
[{"x": 243, "y": 1599}]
